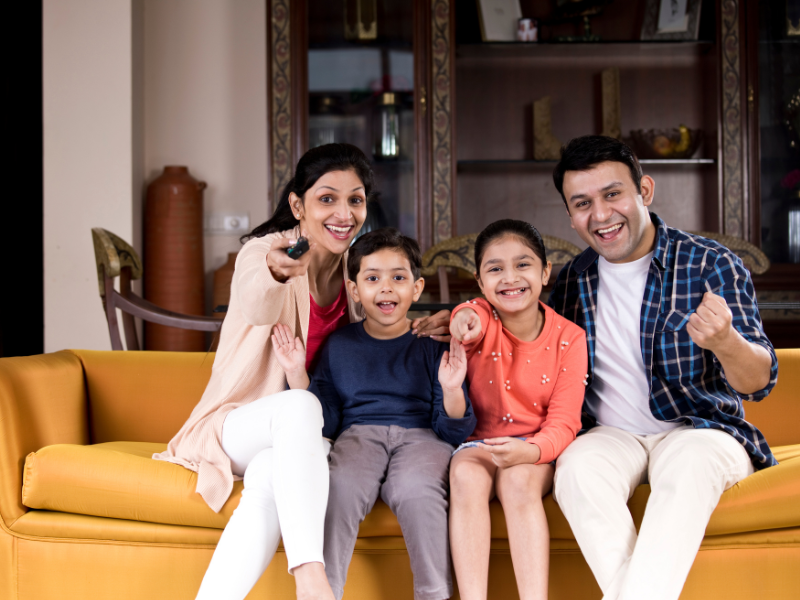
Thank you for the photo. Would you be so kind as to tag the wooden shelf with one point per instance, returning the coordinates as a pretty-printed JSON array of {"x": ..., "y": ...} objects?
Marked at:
[
  {"x": 633, "y": 52},
  {"x": 474, "y": 164}
]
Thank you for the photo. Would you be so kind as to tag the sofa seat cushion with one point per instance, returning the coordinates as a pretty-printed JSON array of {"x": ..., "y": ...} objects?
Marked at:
[{"x": 120, "y": 480}]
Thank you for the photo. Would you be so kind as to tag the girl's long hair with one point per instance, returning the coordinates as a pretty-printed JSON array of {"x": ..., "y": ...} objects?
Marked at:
[{"x": 314, "y": 164}]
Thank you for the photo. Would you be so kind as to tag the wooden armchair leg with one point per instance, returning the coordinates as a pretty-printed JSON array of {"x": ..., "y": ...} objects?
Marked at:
[{"x": 444, "y": 288}]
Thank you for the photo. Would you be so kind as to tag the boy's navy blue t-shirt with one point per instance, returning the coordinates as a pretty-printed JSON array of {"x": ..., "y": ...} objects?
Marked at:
[{"x": 360, "y": 380}]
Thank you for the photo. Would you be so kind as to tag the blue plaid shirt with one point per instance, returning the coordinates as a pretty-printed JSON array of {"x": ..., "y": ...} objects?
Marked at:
[{"x": 687, "y": 383}]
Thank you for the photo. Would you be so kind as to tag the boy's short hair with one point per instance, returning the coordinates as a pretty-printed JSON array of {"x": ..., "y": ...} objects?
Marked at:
[
  {"x": 386, "y": 237},
  {"x": 583, "y": 153}
]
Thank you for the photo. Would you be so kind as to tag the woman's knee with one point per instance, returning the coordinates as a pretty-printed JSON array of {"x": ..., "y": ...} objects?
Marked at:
[
  {"x": 258, "y": 476},
  {"x": 302, "y": 408}
]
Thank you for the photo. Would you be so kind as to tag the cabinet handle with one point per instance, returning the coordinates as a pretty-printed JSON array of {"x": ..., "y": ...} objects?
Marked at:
[
  {"x": 750, "y": 97},
  {"x": 423, "y": 100}
]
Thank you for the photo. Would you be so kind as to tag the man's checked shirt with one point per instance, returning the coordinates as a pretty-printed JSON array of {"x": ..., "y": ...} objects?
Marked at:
[{"x": 687, "y": 383}]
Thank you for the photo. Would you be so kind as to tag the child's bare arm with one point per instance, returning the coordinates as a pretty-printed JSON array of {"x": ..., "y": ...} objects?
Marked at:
[
  {"x": 466, "y": 325},
  {"x": 452, "y": 371},
  {"x": 291, "y": 356}
]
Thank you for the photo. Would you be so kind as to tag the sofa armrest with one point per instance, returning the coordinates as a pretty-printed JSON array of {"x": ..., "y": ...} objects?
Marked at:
[{"x": 42, "y": 402}]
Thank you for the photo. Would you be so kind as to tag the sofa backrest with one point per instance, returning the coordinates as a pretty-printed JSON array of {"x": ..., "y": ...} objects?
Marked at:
[
  {"x": 778, "y": 415},
  {"x": 142, "y": 396}
]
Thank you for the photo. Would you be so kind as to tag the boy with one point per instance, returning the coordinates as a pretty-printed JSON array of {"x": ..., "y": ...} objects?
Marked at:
[{"x": 395, "y": 404}]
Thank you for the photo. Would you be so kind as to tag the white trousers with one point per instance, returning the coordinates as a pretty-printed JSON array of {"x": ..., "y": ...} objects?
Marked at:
[
  {"x": 276, "y": 443},
  {"x": 688, "y": 469}
]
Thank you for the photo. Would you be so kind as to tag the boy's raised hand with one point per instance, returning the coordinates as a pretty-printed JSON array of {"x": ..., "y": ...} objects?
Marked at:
[
  {"x": 466, "y": 325},
  {"x": 291, "y": 356},
  {"x": 453, "y": 367}
]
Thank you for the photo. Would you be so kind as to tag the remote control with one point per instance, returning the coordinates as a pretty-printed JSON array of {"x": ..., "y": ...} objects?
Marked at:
[{"x": 300, "y": 248}]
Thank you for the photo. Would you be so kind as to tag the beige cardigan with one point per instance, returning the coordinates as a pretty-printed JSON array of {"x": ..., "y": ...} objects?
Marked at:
[{"x": 244, "y": 369}]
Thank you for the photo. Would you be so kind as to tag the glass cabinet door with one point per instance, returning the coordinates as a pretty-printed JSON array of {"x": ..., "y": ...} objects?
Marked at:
[
  {"x": 779, "y": 128},
  {"x": 361, "y": 91}
]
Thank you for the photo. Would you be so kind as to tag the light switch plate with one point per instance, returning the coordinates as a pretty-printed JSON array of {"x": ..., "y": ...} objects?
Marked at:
[{"x": 226, "y": 223}]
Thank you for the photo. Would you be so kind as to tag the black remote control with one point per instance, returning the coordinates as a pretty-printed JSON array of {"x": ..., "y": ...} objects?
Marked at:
[{"x": 300, "y": 248}]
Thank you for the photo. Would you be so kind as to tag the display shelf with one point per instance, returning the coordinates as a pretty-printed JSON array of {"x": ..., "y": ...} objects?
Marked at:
[
  {"x": 471, "y": 164},
  {"x": 634, "y": 50}
]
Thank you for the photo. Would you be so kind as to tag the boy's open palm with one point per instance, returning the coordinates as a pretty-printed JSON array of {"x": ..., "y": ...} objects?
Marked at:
[
  {"x": 290, "y": 352},
  {"x": 466, "y": 325},
  {"x": 453, "y": 367}
]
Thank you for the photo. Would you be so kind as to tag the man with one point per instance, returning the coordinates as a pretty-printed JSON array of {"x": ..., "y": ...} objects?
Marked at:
[{"x": 675, "y": 345}]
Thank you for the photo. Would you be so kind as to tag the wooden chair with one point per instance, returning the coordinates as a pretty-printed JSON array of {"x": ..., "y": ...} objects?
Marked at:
[
  {"x": 116, "y": 258},
  {"x": 459, "y": 252},
  {"x": 753, "y": 258}
]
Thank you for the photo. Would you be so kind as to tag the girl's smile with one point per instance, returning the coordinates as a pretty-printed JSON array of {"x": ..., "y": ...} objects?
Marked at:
[{"x": 511, "y": 278}]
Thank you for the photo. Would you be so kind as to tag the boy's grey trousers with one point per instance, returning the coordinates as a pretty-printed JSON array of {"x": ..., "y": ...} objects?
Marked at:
[{"x": 408, "y": 468}]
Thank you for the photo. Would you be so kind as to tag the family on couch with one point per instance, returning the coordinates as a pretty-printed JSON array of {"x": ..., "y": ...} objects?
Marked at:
[{"x": 652, "y": 339}]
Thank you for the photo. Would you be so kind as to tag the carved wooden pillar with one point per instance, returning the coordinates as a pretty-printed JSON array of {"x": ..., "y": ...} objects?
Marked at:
[
  {"x": 279, "y": 82},
  {"x": 735, "y": 212},
  {"x": 443, "y": 159}
]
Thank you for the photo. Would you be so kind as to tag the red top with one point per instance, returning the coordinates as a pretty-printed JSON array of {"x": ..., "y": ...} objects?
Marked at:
[
  {"x": 323, "y": 321},
  {"x": 527, "y": 389}
]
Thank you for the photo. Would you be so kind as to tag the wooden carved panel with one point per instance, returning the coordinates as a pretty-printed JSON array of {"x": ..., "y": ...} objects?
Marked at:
[
  {"x": 442, "y": 116},
  {"x": 731, "y": 122},
  {"x": 280, "y": 98}
]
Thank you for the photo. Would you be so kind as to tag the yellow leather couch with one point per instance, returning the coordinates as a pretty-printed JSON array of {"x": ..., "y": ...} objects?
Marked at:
[{"x": 86, "y": 514}]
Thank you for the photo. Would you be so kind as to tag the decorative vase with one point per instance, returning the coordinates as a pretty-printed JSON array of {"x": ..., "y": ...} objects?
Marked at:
[
  {"x": 173, "y": 256},
  {"x": 222, "y": 283}
]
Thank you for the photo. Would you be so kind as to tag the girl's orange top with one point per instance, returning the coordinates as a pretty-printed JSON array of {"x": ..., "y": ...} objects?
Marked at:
[{"x": 527, "y": 389}]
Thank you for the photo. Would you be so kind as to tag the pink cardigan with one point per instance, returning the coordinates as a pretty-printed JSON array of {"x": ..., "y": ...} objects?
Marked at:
[{"x": 244, "y": 369}]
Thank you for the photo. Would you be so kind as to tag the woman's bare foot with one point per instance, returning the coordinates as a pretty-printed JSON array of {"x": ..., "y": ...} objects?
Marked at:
[{"x": 312, "y": 583}]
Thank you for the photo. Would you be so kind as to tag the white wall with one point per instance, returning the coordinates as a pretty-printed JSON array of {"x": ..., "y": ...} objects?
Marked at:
[
  {"x": 205, "y": 92},
  {"x": 91, "y": 176},
  {"x": 131, "y": 86}
]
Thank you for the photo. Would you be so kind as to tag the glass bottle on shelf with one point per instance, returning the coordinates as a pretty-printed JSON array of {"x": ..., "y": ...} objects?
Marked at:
[{"x": 361, "y": 91}]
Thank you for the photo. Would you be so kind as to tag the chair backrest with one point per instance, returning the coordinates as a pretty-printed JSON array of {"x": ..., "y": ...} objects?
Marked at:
[
  {"x": 116, "y": 258},
  {"x": 753, "y": 258},
  {"x": 459, "y": 252}
]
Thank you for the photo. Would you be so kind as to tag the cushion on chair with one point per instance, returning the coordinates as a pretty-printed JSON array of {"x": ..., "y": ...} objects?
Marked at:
[{"x": 120, "y": 480}]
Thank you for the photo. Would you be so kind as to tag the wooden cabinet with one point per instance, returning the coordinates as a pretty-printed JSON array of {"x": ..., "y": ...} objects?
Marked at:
[{"x": 467, "y": 154}]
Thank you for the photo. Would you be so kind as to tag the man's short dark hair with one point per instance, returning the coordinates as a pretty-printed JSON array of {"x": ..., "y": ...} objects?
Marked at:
[
  {"x": 583, "y": 153},
  {"x": 374, "y": 241}
]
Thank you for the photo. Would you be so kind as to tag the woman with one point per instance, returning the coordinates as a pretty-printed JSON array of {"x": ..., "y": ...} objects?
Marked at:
[{"x": 247, "y": 424}]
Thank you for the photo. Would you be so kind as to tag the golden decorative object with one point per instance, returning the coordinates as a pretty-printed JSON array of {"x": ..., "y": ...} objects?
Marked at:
[
  {"x": 678, "y": 142},
  {"x": 545, "y": 144}
]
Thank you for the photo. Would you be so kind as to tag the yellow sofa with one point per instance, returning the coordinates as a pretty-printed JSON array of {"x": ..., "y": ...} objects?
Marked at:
[{"x": 85, "y": 513}]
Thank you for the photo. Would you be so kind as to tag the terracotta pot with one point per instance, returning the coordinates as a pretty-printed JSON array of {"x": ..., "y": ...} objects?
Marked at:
[
  {"x": 222, "y": 283},
  {"x": 173, "y": 256}
]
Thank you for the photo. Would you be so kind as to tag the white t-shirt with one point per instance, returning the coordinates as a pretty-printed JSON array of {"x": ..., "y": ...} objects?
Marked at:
[{"x": 620, "y": 392}]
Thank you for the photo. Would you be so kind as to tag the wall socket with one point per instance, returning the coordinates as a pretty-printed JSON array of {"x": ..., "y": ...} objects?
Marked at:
[{"x": 226, "y": 223}]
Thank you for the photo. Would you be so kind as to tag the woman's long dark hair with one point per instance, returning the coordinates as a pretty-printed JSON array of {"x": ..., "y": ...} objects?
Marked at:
[{"x": 314, "y": 164}]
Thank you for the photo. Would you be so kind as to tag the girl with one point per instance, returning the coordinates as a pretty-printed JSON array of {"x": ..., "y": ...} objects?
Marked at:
[
  {"x": 526, "y": 367},
  {"x": 247, "y": 424}
]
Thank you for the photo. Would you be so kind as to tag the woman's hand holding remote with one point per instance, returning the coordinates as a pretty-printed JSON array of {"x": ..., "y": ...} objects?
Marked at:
[{"x": 281, "y": 265}]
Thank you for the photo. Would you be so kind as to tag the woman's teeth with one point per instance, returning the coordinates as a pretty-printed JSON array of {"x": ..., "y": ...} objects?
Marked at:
[{"x": 338, "y": 230}]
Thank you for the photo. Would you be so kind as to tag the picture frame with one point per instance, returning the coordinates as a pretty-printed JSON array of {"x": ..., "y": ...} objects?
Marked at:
[
  {"x": 499, "y": 20},
  {"x": 670, "y": 20}
]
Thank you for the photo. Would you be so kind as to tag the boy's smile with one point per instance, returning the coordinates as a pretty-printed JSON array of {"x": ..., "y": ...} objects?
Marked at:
[{"x": 385, "y": 286}]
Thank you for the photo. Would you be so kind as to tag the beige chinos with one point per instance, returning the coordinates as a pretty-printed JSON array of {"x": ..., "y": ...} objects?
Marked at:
[{"x": 688, "y": 469}]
